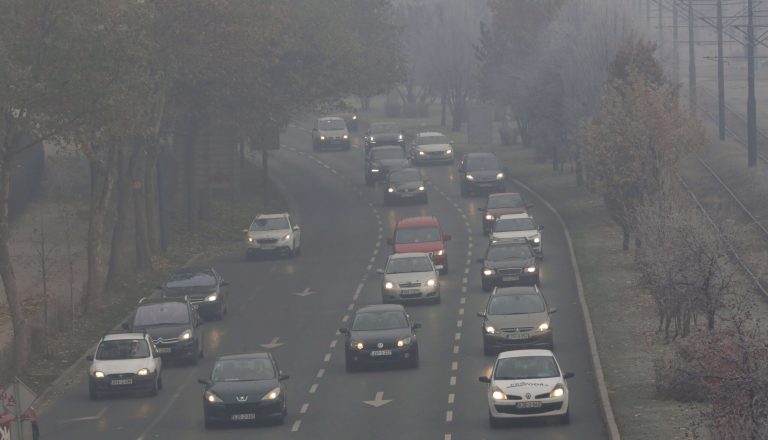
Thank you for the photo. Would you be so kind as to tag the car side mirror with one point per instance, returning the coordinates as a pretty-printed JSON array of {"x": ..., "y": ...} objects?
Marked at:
[
  {"x": 296, "y": 227},
  {"x": 568, "y": 375},
  {"x": 204, "y": 382},
  {"x": 481, "y": 314},
  {"x": 89, "y": 357},
  {"x": 199, "y": 322},
  {"x": 484, "y": 379},
  {"x": 416, "y": 325},
  {"x": 126, "y": 326},
  {"x": 380, "y": 271},
  {"x": 390, "y": 241},
  {"x": 344, "y": 331},
  {"x": 481, "y": 209},
  {"x": 505, "y": 170},
  {"x": 529, "y": 206},
  {"x": 283, "y": 377},
  {"x": 159, "y": 287},
  {"x": 224, "y": 284},
  {"x": 480, "y": 260},
  {"x": 245, "y": 231},
  {"x": 439, "y": 267},
  {"x": 552, "y": 310},
  {"x": 541, "y": 227},
  {"x": 446, "y": 237}
]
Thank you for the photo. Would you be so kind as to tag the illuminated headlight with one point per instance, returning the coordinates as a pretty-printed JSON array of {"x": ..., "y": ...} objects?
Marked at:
[
  {"x": 400, "y": 137},
  {"x": 212, "y": 398},
  {"x": 388, "y": 285},
  {"x": 357, "y": 345},
  {"x": 345, "y": 136},
  {"x": 272, "y": 395},
  {"x": 372, "y": 140},
  {"x": 322, "y": 138},
  {"x": 421, "y": 153},
  {"x": 421, "y": 188},
  {"x": 212, "y": 297},
  {"x": 286, "y": 237},
  {"x": 440, "y": 252},
  {"x": 354, "y": 117},
  {"x": 250, "y": 239},
  {"x": 488, "y": 272},
  {"x": 544, "y": 327},
  {"x": 430, "y": 282},
  {"x": 374, "y": 170},
  {"x": 530, "y": 269},
  {"x": 448, "y": 151},
  {"x": 470, "y": 177},
  {"x": 499, "y": 176},
  {"x": 186, "y": 334},
  {"x": 489, "y": 329},
  {"x": 142, "y": 372},
  {"x": 390, "y": 189},
  {"x": 497, "y": 394},
  {"x": 537, "y": 239},
  {"x": 559, "y": 391},
  {"x": 403, "y": 342},
  {"x": 489, "y": 217},
  {"x": 98, "y": 374}
]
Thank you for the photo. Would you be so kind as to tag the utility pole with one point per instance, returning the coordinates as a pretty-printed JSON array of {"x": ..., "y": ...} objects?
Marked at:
[
  {"x": 661, "y": 25},
  {"x": 648, "y": 13},
  {"x": 720, "y": 73},
  {"x": 751, "y": 105},
  {"x": 675, "y": 52},
  {"x": 691, "y": 61}
]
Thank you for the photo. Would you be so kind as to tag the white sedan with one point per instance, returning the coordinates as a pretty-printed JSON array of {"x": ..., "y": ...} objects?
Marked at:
[
  {"x": 410, "y": 276},
  {"x": 527, "y": 383},
  {"x": 519, "y": 226}
]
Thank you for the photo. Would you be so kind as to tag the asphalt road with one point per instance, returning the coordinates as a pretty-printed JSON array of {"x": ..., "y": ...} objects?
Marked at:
[{"x": 344, "y": 230}]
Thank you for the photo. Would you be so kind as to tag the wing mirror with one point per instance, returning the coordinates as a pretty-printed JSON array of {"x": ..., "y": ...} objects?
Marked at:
[
  {"x": 416, "y": 325},
  {"x": 529, "y": 206},
  {"x": 446, "y": 237},
  {"x": 390, "y": 241},
  {"x": 552, "y": 310},
  {"x": 380, "y": 271},
  {"x": 126, "y": 326},
  {"x": 439, "y": 267},
  {"x": 344, "y": 331},
  {"x": 481, "y": 209},
  {"x": 283, "y": 376},
  {"x": 481, "y": 314},
  {"x": 484, "y": 379},
  {"x": 224, "y": 284},
  {"x": 204, "y": 382},
  {"x": 480, "y": 260},
  {"x": 296, "y": 227},
  {"x": 541, "y": 227},
  {"x": 568, "y": 375},
  {"x": 89, "y": 357},
  {"x": 245, "y": 231}
]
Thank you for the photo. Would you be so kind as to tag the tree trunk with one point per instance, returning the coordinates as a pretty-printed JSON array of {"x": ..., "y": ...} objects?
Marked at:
[
  {"x": 120, "y": 266},
  {"x": 152, "y": 197},
  {"x": 458, "y": 111},
  {"x": 190, "y": 174},
  {"x": 443, "y": 110},
  {"x": 625, "y": 242},
  {"x": 143, "y": 252}
]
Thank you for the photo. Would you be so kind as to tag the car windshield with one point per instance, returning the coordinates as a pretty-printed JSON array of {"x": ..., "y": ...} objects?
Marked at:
[
  {"x": 402, "y": 176},
  {"x": 167, "y": 313},
  {"x": 236, "y": 370},
  {"x": 269, "y": 224},
  {"x": 514, "y": 224},
  {"x": 506, "y": 201},
  {"x": 331, "y": 124},
  {"x": 483, "y": 163},
  {"x": 508, "y": 251},
  {"x": 417, "y": 235},
  {"x": 384, "y": 128},
  {"x": 431, "y": 140},
  {"x": 183, "y": 280},
  {"x": 515, "y": 305},
  {"x": 525, "y": 367},
  {"x": 410, "y": 264},
  {"x": 122, "y": 349},
  {"x": 389, "y": 320},
  {"x": 387, "y": 153}
]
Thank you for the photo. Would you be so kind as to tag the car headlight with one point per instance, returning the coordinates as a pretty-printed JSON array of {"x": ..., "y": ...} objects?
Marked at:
[
  {"x": 212, "y": 297},
  {"x": 322, "y": 138},
  {"x": 488, "y": 272},
  {"x": 448, "y": 151},
  {"x": 346, "y": 136},
  {"x": 430, "y": 282},
  {"x": 272, "y": 394},
  {"x": 489, "y": 217},
  {"x": 530, "y": 269},
  {"x": 186, "y": 334},
  {"x": 537, "y": 239},
  {"x": 403, "y": 342},
  {"x": 388, "y": 285},
  {"x": 421, "y": 188},
  {"x": 286, "y": 237},
  {"x": 499, "y": 176},
  {"x": 558, "y": 391},
  {"x": 212, "y": 398},
  {"x": 372, "y": 139},
  {"x": 354, "y": 117},
  {"x": 421, "y": 153},
  {"x": 470, "y": 177},
  {"x": 374, "y": 170},
  {"x": 357, "y": 345},
  {"x": 544, "y": 327},
  {"x": 489, "y": 329},
  {"x": 250, "y": 239},
  {"x": 390, "y": 189},
  {"x": 498, "y": 394},
  {"x": 98, "y": 374},
  {"x": 399, "y": 137},
  {"x": 440, "y": 252},
  {"x": 142, "y": 372}
]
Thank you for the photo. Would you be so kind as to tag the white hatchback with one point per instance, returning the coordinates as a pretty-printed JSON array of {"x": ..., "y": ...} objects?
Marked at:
[
  {"x": 519, "y": 226},
  {"x": 410, "y": 276},
  {"x": 124, "y": 362},
  {"x": 527, "y": 383},
  {"x": 273, "y": 233}
]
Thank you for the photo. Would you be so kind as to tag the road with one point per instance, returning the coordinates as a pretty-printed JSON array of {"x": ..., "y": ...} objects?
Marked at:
[{"x": 344, "y": 230}]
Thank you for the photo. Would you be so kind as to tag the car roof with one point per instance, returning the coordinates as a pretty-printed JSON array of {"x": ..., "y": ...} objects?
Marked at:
[
  {"x": 256, "y": 355},
  {"x": 410, "y": 222},
  {"x": 407, "y": 255},
  {"x": 511, "y": 240},
  {"x": 381, "y": 308},
  {"x": 406, "y": 169},
  {"x": 512, "y": 216},
  {"x": 265, "y": 216},
  {"x": 504, "y": 194},
  {"x": 524, "y": 353},
  {"x": 429, "y": 133},
  {"x": 515, "y": 290},
  {"x": 386, "y": 147},
  {"x": 480, "y": 154},
  {"x": 126, "y": 335},
  {"x": 330, "y": 118}
]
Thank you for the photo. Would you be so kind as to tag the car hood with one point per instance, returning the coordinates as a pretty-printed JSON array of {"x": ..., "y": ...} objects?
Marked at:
[
  {"x": 374, "y": 336},
  {"x": 338, "y": 133},
  {"x": 533, "y": 386},
  {"x": 434, "y": 147},
  {"x": 277, "y": 233},
  {"x": 407, "y": 185},
  {"x": 510, "y": 262},
  {"x": 427, "y": 246},
  {"x": 515, "y": 234},
  {"x": 164, "y": 331},
  {"x": 254, "y": 389},
  {"x": 498, "y": 212},
  {"x": 120, "y": 366},
  {"x": 391, "y": 163},
  {"x": 408, "y": 277},
  {"x": 484, "y": 175},
  {"x": 512, "y": 321},
  {"x": 193, "y": 292}
]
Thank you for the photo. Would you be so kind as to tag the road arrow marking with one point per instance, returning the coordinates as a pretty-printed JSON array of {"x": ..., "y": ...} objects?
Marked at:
[
  {"x": 305, "y": 292},
  {"x": 378, "y": 400},
  {"x": 273, "y": 344},
  {"x": 86, "y": 419}
]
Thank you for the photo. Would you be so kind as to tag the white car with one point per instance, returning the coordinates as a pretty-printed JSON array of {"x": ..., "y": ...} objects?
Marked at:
[
  {"x": 124, "y": 362},
  {"x": 273, "y": 233},
  {"x": 527, "y": 383},
  {"x": 410, "y": 276},
  {"x": 519, "y": 226},
  {"x": 431, "y": 146}
]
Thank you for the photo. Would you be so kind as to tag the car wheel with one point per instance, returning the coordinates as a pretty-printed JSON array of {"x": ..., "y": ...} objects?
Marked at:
[
  {"x": 92, "y": 393},
  {"x": 208, "y": 424},
  {"x": 160, "y": 382},
  {"x": 436, "y": 300},
  {"x": 219, "y": 314},
  {"x": 493, "y": 421},
  {"x": 386, "y": 200},
  {"x": 565, "y": 419},
  {"x": 464, "y": 192},
  {"x": 349, "y": 366},
  {"x": 444, "y": 270},
  {"x": 292, "y": 252},
  {"x": 426, "y": 200},
  {"x": 537, "y": 281},
  {"x": 414, "y": 362},
  {"x": 488, "y": 351},
  {"x": 368, "y": 181},
  {"x": 155, "y": 387},
  {"x": 298, "y": 250},
  {"x": 487, "y": 287}
]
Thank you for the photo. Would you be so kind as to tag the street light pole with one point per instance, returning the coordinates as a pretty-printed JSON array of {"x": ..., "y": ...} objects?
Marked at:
[
  {"x": 720, "y": 73},
  {"x": 751, "y": 104},
  {"x": 675, "y": 40},
  {"x": 691, "y": 61}
]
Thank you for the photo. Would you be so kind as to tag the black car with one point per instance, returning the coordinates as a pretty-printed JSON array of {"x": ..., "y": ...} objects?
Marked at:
[
  {"x": 173, "y": 325},
  {"x": 383, "y": 133},
  {"x": 481, "y": 172},
  {"x": 381, "y": 160},
  {"x": 243, "y": 388},
  {"x": 203, "y": 286},
  {"x": 509, "y": 261},
  {"x": 516, "y": 318},
  {"x": 381, "y": 334},
  {"x": 403, "y": 185}
]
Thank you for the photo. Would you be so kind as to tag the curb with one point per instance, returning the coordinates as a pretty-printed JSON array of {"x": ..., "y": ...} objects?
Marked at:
[{"x": 605, "y": 402}]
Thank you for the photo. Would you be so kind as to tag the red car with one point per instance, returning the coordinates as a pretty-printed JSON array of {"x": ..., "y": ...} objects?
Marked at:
[{"x": 421, "y": 234}]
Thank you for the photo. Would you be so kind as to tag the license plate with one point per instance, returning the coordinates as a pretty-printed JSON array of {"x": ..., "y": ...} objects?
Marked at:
[
  {"x": 381, "y": 353},
  {"x": 243, "y": 416},
  {"x": 267, "y": 246},
  {"x": 531, "y": 404},
  {"x": 510, "y": 278},
  {"x": 410, "y": 292},
  {"x": 164, "y": 350},
  {"x": 407, "y": 194},
  {"x": 517, "y": 335},
  {"x": 121, "y": 382}
]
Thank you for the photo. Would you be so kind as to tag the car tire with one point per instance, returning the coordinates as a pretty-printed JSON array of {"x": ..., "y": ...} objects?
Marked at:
[
  {"x": 414, "y": 361},
  {"x": 349, "y": 366},
  {"x": 219, "y": 314},
  {"x": 298, "y": 250},
  {"x": 368, "y": 181},
  {"x": 444, "y": 270},
  {"x": 464, "y": 191},
  {"x": 487, "y": 350},
  {"x": 487, "y": 287},
  {"x": 425, "y": 201},
  {"x": 565, "y": 419},
  {"x": 437, "y": 300},
  {"x": 494, "y": 422},
  {"x": 537, "y": 280},
  {"x": 293, "y": 253},
  {"x": 92, "y": 393},
  {"x": 386, "y": 200},
  {"x": 160, "y": 382},
  {"x": 208, "y": 424},
  {"x": 155, "y": 388}
]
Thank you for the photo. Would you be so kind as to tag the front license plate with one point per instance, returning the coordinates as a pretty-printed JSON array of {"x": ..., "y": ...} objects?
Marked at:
[
  {"x": 531, "y": 404},
  {"x": 243, "y": 416},
  {"x": 121, "y": 382},
  {"x": 407, "y": 194},
  {"x": 409, "y": 291},
  {"x": 381, "y": 353},
  {"x": 511, "y": 278},
  {"x": 517, "y": 336},
  {"x": 164, "y": 350}
]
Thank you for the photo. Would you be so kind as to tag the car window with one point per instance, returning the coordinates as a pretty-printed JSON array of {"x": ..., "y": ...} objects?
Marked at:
[
  {"x": 331, "y": 124},
  {"x": 516, "y": 304},
  {"x": 384, "y": 128},
  {"x": 525, "y": 367},
  {"x": 483, "y": 163},
  {"x": 402, "y": 176},
  {"x": 417, "y": 235},
  {"x": 234, "y": 370},
  {"x": 506, "y": 201},
  {"x": 388, "y": 320},
  {"x": 167, "y": 313},
  {"x": 269, "y": 224},
  {"x": 122, "y": 349},
  {"x": 180, "y": 280},
  {"x": 431, "y": 140},
  {"x": 387, "y": 153},
  {"x": 507, "y": 251},
  {"x": 514, "y": 224},
  {"x": 412, "y": 264}
]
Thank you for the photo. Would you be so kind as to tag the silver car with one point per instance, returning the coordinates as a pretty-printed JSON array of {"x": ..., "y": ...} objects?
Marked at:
[
  {"x": 273, "y": 233},
  {"x": 410, "y": 277}
]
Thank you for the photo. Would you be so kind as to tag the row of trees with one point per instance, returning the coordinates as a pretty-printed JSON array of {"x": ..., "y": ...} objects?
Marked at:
[{"x": 140, "y": 87}]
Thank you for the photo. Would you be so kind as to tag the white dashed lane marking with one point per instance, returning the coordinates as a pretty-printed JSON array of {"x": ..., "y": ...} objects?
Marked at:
[
  {"x": 320, "y": 373},
  {"x": 304, "y": 408},
  {"x": 327, "y": 357},
  {"x": 296, "y": 426},
  {"x": 453, "y": 381},
  {"x": 313, "y": 388}
]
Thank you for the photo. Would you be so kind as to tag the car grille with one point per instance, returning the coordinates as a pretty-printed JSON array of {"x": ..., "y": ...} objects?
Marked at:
[
  {"x": 407, "y": 190},
  {"x": 410, "y": 295},
  {"x": 266, "y": 240},
  {"x": 375, "y": 346},
  {"x": 121, "y": 376},
  {"x": 512, "y": 409},
  {"x": 517, "y": 329},
  {"x": 247, "y": 408},
  {"x": 165, "y": 341},
  {"x": 512, "y": 271},
  {"x": 436, "y": 153},
  {"x": 514, "y": 397},
  {"x": 410, "y": 284}
]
